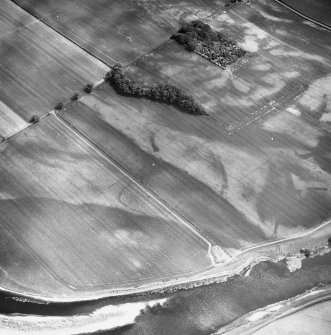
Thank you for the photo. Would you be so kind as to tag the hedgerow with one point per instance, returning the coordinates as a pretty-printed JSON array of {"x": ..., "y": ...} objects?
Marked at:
[
  {"x": 160, "y": 92},
  {"x": 199, "y": 37}
]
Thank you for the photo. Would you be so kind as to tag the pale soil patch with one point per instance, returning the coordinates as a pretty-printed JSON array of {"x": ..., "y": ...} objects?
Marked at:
[
  {"x": 274, "y": 308},
  {"x": 9, "y": 120},
  {"x": 326, "y": 117},
  {"x": 220, "y": 255},
  {"x": 294, "y": 263},
  {"x": 286, "y": 123},
  {"x": 257, "y": 316},
  {"x": 274, "y": 82},
  {"x": 318, "y": 95},
  {"x": 273, "y": 18},
  {"x": 253, "y": 37},
  {"x": 293, "y": 111},
  {"x": 224, "y": 18},
  {"x": 284, "y": 51},
  {"x": 261, "y": 67},
  {"x": 313, "y": 25},
  {"x": 281, "y": 32},
  {"x": 272, "y": 43}
]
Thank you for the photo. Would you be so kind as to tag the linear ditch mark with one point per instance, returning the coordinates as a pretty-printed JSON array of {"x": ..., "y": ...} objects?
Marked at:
[{"x": 179, "y": 217}]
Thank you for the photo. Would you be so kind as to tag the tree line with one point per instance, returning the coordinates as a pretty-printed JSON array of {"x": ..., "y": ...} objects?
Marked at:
[{"x": 159, "y": 92}]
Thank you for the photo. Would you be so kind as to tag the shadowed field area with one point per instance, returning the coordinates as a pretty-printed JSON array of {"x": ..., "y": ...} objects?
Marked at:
[{"x": 101, "y": 229}]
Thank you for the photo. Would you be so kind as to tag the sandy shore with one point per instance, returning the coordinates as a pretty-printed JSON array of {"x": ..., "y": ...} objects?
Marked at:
[{"x": 104, "y": 318}]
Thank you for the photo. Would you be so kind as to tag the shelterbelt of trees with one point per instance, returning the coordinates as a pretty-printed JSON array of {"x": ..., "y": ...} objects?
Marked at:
[
  {"x": 199, "y": 37},
  {"x": 160, "y": 92}
]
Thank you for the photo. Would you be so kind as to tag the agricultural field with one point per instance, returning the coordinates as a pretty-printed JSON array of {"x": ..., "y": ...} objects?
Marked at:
[
  {"x": 114, "y": 31},
  {"x": 38, "y": 68},
  {"x": 258, "y": 170},
  {"x": 115, "y": 192},
  {"x": 299, "y": 47},
  {"x": 101, "y": 230}
]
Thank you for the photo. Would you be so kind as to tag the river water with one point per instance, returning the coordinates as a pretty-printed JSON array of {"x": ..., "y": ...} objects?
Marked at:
[{"x": 202, "y": 310}]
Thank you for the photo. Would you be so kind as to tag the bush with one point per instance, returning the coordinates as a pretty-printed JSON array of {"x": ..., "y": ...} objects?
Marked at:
[
  {"x": 58, "y": 106},
  {"x": 305, "y": 252},
  {"x": 108, "y": 76},
  {"x": 88, "y": 88},
  {"x": 74, "y": 97},
  {"x": 35, "y": 118},
  {"x": 161, "y": 92},
  {"x": 191, "y": 45}
]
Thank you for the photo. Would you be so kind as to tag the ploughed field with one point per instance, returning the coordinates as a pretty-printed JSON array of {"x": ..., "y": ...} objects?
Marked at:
[
  {"x": 114, "y": 31},
  {"x": 117, "y": 191},
  {"x": 82, "y": 219},
  {"x": 38, "y": 68}
]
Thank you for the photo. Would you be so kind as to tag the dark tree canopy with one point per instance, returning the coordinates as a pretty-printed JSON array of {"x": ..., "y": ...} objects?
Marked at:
[
  {"x": 88, "y": 88},
  {"x": 160, "y": 92},
  {"x": 199, "y": 37},
  {"x": 58, "y": 106}
]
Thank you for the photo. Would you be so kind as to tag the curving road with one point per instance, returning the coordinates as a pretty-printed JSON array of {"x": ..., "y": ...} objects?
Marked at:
[{"x": 321, "y": 24}]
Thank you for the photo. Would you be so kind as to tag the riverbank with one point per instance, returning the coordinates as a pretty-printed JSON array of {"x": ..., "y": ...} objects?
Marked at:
[{"x": 199, "y": 311}]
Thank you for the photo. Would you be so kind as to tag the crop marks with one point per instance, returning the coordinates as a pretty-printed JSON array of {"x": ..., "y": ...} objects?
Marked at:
[{"x": 101, "y": 228}]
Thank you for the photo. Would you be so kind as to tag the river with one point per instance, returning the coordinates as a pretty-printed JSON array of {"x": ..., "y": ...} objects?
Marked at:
[{"x": 198, "y": 311}]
